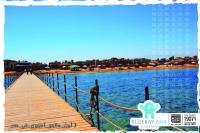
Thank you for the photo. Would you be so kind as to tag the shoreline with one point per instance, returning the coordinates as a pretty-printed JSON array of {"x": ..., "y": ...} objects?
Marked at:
[{"x": 122, "y": 69}]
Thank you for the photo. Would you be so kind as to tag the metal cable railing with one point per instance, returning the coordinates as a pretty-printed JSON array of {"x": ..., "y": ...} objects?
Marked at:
[
  {"x": 50, "y": 80},
  {"x": 105, "y": 101}
]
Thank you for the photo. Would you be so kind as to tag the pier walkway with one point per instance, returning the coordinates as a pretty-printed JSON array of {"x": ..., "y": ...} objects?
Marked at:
[{"x": 30, "y": 105}]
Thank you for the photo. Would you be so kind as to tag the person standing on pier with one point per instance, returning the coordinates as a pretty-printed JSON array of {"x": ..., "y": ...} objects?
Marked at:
[{"x": 27, "y": 71}]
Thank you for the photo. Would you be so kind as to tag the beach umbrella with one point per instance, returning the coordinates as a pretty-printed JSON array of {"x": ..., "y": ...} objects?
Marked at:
[
  {"x": 84, "y": 66},
  {"x": 119, "y": 65},
  {"x": 74, "y": 67},
  {"x": 47, "y": 67},
  {"x": 63, "y": 66}
]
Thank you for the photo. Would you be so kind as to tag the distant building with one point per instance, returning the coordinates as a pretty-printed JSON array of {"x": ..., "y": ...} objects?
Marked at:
[
  {"x": 55, "y": 65},
  {"x": 22, "y": 65},
  {"x": 79, "y": 63},
  {"x": 90, "y": 63},
  {"x": 9, "y": 65},
  {"x": 38, "y": 66},
  {"x": 195, "y": 57}
]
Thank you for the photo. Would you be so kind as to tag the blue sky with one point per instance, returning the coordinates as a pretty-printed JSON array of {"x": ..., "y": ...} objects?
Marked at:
[{"x": 97, "y": 32}]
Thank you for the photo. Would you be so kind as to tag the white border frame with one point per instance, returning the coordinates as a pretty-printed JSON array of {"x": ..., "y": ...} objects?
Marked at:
[{"x": 4, "y": 3}]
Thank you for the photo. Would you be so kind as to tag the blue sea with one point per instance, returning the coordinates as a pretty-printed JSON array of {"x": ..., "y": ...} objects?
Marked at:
[{"x": 174, "y": 89}]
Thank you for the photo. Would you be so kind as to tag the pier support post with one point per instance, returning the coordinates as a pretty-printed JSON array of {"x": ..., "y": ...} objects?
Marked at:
[
  {"x": 11, "y": 79},
  {"x": 49, "y": 75},
  {"x": 76, "y": 85},
  {"x": 58, "y": 85},
  {"x": 97, "y": 104},
  {"x": 65, "y": 87},
  {"x": 42, "y": 76},
  {"x": 45, "y": 78},
  {"x": 146, "y": 93},
  {"x": 6, "y": 76},
  {"x": 53, "y": 80},
  {"x": 6, "y": 81}
]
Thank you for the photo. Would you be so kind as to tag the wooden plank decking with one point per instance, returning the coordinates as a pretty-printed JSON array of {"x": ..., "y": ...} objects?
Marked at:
[{"x": 32, "y": 106}]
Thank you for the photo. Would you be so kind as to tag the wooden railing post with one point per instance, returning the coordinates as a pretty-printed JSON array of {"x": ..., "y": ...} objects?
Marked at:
[
  {"x": 58, "y": 85},
  {"x": 49, "y": 80},
  {"x": 11, "y": 79},
  {"x": 42, "y": 76},
  {"x": 76, "y": 85},
  {"x": 65, "y": 87},
  {"x": 45, "y": 78},
  {"x": 146, "y": 93},
  {"x": 53, "y": 80},
  {"x": 97, "y": 104},
  {"x": 6, "y": 81}
]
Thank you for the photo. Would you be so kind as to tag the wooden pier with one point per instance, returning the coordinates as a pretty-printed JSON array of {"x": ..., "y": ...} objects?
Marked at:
[{"x": 30, "y": 105}]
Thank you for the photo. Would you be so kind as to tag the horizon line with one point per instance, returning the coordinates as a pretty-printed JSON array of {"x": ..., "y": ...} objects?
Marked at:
[{"x": 99, "y": 59}]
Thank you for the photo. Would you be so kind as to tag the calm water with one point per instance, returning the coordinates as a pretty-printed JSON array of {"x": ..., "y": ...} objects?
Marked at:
[{"x": 175, "y": 90}]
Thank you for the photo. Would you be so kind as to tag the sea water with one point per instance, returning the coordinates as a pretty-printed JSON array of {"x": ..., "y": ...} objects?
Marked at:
[{"x": 174, "y": 89}]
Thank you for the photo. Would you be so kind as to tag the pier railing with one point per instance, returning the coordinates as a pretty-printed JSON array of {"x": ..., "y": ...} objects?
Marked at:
[
  {"x": 52, "y": 80},
  {"x": 10, "y": 78}
]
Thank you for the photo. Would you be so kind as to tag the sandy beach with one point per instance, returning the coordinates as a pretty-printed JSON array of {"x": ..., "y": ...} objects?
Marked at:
[
  {"x": 122, "y": 69},
  {"x": 116, "y": 69}
]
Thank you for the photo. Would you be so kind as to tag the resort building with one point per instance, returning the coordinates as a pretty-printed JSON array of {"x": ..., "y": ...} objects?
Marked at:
[{"x": 9, "y": 65}]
